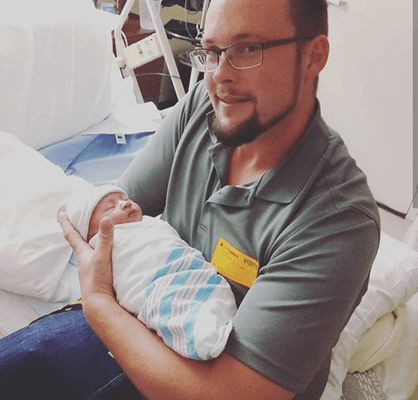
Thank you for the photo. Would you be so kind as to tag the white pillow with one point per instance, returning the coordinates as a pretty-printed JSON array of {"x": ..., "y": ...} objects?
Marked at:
[
  {"x": 380, "y": 341},
  {"x": 33, "y": 250},
  {"x": 393, "y": 281},
  {"x": 55, "y": 64}
]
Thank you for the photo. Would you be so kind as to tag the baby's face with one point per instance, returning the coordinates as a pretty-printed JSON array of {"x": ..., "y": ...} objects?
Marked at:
[{"x": 116, "y": 206}]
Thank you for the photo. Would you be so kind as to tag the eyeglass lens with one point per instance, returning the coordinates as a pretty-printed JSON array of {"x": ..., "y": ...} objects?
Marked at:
[{"x": 240, "y": 56}]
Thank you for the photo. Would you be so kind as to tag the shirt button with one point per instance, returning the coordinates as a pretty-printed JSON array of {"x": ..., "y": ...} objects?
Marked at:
[{"x": 213, "y": 205}]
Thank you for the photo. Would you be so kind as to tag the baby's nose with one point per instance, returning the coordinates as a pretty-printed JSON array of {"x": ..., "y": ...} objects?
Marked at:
[{"x": 125, "y": 204}]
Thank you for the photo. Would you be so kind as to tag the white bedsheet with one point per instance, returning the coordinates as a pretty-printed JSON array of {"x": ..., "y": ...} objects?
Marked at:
[
  {"x": 17, "y": 311},
  {"x": 393, "y": 283},
  {"x": 399, "y": 372}
]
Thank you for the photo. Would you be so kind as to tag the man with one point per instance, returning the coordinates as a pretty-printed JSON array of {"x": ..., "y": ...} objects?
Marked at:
[{"x": 253, "y": 178}]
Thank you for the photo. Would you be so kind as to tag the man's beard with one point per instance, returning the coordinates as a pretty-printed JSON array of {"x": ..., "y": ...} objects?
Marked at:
[
  {"x": 252, "y": 127},
  {"x": 235, "y": 136}
]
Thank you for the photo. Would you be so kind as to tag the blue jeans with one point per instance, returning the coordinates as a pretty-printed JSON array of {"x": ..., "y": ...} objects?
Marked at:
[{"x": 60, "y": 357}]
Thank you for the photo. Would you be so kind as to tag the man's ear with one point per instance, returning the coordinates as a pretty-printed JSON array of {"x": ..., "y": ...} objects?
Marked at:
[{"x": 317, "y": 56}]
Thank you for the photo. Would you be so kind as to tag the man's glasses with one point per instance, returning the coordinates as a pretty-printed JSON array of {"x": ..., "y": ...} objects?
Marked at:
[{"x": 240, "y": 56}]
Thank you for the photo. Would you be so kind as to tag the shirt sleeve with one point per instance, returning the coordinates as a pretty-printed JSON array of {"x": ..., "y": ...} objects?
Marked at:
[
  {"x": 294, "y": 312},
  {"x": 146, "y": 178}
]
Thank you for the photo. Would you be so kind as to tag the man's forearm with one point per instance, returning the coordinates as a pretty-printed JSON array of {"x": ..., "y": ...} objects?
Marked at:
[
  {"x": 151, "y": 366},
  {"x": 160, "y": 373}
]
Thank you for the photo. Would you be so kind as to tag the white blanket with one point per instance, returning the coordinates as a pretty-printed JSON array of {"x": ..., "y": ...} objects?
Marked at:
[{"x": 171, "y": 288}]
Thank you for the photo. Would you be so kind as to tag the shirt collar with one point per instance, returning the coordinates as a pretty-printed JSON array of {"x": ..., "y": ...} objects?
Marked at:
[
  {"x": 284, "y": 182},
  {"x": 287, "y": 179}
]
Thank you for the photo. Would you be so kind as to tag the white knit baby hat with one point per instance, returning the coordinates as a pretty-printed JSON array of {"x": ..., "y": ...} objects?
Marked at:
[{"x": 82, "y": 202}]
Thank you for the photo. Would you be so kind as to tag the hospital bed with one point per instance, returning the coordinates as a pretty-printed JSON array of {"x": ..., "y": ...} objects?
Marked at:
[{"x": 67, "y": 110}]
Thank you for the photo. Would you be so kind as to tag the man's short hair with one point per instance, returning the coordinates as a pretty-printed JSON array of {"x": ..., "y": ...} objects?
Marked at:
[{"x": 310, "y": 17}]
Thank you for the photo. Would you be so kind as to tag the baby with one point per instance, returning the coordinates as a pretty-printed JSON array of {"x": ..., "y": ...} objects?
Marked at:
[
  {"x": 118, "y": 207},
  {"x": 87, "y": 206},
  {"x": 157, "y": 277}
]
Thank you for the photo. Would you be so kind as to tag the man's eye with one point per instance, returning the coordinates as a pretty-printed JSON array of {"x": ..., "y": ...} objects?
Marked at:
[{"x": 249, "y": 49}]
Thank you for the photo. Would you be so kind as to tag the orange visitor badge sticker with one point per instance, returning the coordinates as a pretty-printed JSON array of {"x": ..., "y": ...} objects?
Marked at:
[{"x": 233, "y": 264}]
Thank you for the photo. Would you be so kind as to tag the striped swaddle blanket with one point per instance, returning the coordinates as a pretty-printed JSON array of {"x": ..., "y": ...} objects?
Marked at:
[{"x": 171, "y": 288}]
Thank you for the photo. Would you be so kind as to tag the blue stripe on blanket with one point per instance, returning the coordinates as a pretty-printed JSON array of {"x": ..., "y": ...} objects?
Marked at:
[{"x": 178, "y": 291}]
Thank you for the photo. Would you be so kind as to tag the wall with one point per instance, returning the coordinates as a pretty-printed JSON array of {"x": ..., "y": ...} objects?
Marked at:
[{"x": 366, "y": 92}]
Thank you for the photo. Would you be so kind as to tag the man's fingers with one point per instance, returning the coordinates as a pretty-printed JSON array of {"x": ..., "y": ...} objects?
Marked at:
[
  {"x": 70, "y": 233},
  {"x": 104, "y": 240}
]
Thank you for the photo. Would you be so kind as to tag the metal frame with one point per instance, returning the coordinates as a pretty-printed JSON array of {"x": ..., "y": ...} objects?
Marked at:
[
  {"x": 194, "y": 75},
  {"x": 165, "y": 47}
]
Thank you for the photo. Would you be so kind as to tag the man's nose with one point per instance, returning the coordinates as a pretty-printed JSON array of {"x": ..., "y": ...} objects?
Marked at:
[{"x": 224, "y": 71}]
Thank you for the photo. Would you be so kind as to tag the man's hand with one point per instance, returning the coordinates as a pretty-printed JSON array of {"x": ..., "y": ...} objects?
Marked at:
[{"x": 94, "y": 264}]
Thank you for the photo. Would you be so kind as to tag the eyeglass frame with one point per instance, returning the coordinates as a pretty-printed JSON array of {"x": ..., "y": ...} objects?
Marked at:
[{"x": 263, "y": 46}]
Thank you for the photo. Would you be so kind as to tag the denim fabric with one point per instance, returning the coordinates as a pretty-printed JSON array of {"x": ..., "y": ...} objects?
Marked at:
[{"x": 60, "y": 357}]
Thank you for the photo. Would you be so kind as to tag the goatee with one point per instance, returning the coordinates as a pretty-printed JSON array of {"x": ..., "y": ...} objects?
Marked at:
[
  {"x": 239, "y": 135},
  {"x": 249, "y": 130}
]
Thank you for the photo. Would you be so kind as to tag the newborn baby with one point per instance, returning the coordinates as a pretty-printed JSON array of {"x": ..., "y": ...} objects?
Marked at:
[
  {"x": 165, "y": 283},
  {"x": 118, "y": 207}
]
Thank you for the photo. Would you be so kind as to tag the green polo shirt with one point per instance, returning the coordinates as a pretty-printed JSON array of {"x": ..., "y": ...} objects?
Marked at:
[{"x": 309, "y": 229}]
